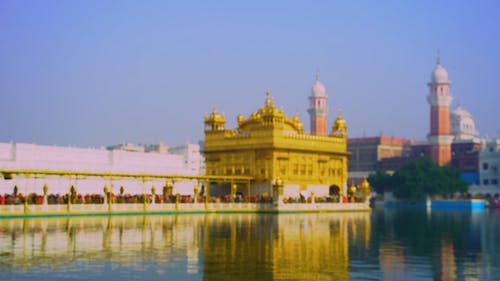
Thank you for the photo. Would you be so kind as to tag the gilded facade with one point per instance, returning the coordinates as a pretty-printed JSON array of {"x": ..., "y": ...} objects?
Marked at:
[{"x": 271, "y": 147}]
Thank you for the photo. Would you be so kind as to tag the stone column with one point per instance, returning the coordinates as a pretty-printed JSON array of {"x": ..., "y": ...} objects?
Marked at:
[
  {"x": 278, "y": 188},
  {"x": 207, "y": 194},
  {"x": 167, "y": 191},
  {"x": 105, "y": 190},
  {"x": 153, "y": 194},
  {"x": 195, "y": 192},
  {"x": 233, "y": 192},
  {"x": 45, "y": 190}
]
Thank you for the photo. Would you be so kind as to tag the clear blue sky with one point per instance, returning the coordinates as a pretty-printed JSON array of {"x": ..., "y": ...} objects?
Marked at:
[{"x": 94, "y": 73}]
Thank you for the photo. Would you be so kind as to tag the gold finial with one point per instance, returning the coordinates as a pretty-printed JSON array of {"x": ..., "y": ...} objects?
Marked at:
[
  {"x": 353, "y": 188},
  {"x": 438, "y": 60},
  {"x": 339, "y": 126},
  {"x": 268, "y": 99},
  {"x": 365, "y": 185},
  {"x": 240, "y": 119}
]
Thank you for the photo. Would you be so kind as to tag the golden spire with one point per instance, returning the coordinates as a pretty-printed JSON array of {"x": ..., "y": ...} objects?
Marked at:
[
  {"x": 240, "y": 119},
  {"x": 365, "y": 185},
  {"x": 215, "y": 116},
  {"x": 268, "y": 98},
  {"x": 352, "y": 188},
  {"x": 340, "y": 125}
]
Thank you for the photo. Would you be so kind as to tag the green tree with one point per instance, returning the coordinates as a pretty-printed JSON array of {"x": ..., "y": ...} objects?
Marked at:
[
  {"x": 454, "y": 183},
  {"x": 380, "y": 181},
  {"x": 421, "y": 177}
]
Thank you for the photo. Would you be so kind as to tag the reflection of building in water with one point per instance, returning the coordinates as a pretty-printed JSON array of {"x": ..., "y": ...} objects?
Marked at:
[
  {"x": 307, "y": 246},
  {"x": 438, "y": 245},
  {"x": 490, "y": 241},
  {"x": 445, "y": 268},
  {"x": 124, "y": 240},
  {"x": 240, "y": 246},
  {"x": 392, "y": 261},
  {"x": 298, "y": 247}
]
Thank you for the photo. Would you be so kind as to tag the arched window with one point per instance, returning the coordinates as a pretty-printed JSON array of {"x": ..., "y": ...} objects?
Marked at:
[{"x": 485, "y": 166}]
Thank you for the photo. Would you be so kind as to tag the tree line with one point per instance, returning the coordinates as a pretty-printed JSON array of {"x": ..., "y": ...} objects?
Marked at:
[{"x": 418, "y": 178}]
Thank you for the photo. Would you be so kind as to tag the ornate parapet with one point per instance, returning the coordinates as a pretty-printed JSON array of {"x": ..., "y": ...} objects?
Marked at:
[{"x": 336, "y": 139}]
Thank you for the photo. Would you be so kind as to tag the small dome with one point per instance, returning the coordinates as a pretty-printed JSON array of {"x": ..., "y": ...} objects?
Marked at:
[
  {"x": 340, "y": 124},
  {"x": 318, "y": 89},
  {"x": 462, "y": 124},
  {"x": 459, "y": 111},
  {"x": 352, "y": 189},
  {"x": 439, "y": 75},
  {"x": 365, "y": 185}
]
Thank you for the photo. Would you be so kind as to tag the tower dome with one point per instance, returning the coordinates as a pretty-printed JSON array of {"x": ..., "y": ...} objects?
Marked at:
[
  {"x": 439, "y": 75},
  {"x": 318, "y": 89},
  {"x": 318, "y": 108},
  {"x": 439, "y": 99}
]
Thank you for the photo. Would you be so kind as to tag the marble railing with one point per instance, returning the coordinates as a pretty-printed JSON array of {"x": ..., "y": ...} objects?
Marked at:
[{"x": 104, "y": 209}]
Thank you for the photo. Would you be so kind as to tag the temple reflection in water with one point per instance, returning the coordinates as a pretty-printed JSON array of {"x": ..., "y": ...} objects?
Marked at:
[
  {"x": 245, "y": 246},
  {"x": 292, "y": 246},
  {"x": 402, "y": 244}
]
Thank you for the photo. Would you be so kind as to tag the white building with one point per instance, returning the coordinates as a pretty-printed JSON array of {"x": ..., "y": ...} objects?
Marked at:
[
  {"x": 463, "y": 127},
  {"x": 489, "y": 161},
  {"x": 193, "y": 160},
  {"x": 20, "y": 156}
]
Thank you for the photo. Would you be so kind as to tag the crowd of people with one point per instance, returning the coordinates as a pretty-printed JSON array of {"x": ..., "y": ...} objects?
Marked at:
[{"x": 77, "y": 198}]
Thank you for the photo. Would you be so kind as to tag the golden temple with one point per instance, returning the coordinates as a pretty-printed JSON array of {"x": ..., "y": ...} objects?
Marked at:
[
  {"x": 274, "y": 150},
  {"x": 267, "y": 164}
]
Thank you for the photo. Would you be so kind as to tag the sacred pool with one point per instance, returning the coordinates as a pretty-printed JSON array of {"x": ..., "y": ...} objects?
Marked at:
[{"x": 386, "y": 244}]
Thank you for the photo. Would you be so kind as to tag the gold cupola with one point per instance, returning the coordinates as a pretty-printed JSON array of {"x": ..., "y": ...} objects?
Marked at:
[
  {"x": 269, "y": 116},
  {"x": 339, "y": 126},
  {"x": 364, "y": 186},
  {"x": 215, "y": 121}
]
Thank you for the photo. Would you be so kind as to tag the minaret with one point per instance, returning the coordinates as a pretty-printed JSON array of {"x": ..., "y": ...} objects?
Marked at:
[
  {"x": 318, "y": 109},
  {"x": 439, "y": 99}
]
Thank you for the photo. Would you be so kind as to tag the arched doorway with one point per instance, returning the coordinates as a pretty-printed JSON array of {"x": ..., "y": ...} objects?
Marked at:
[{"x": 334, "y": 190}]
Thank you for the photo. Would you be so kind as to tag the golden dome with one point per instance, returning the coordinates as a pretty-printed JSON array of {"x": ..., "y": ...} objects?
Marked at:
[
  {"x": 365, "y": 185},
  {"x": 352, "y": 188},
  {"x": 240, "y": 119},
  {"x": 215, "y": 117},
  {"x": 269, "y": 115},
  {"x": 340, "y": 125}
]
